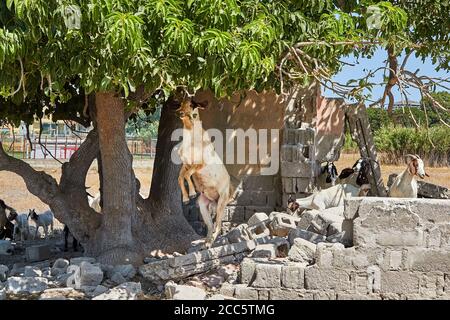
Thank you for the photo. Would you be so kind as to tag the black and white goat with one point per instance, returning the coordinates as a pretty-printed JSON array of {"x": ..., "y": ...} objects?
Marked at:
[
  {"x": 358, "y": 174},
  {"x": 328, "y": 176},
  {"x": 43, "y": 220},
  {"x": 21, "y": 225}
]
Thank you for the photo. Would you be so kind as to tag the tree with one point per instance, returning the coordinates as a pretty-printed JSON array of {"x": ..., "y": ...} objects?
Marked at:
[{"x": 101, "y": 61}]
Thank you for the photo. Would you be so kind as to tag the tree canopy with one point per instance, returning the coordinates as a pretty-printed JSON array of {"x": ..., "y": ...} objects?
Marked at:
[{"x": 49, "y": 47}]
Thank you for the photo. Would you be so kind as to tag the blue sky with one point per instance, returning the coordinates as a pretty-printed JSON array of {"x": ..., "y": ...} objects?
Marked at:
[{"x": 378, "y": 60}]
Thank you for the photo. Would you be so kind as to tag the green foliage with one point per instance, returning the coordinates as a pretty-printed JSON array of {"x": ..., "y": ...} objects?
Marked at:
[
  {"x": 223, "y": 45},
  {"x": 393, "y": 143},
  {"x": 144, "y": 125}
]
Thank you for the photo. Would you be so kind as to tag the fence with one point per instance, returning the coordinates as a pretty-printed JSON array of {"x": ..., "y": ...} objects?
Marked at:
[{"x": 62, "y": 147}]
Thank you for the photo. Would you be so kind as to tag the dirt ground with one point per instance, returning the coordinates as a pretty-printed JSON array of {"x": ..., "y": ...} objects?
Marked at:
[{"x": 14, "y": 192}]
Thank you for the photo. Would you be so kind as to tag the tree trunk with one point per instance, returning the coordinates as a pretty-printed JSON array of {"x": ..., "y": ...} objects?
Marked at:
[{"x": 129, "y": 227}]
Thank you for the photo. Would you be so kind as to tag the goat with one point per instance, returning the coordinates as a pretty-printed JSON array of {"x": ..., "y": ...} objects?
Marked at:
[
  {"x": 357, "y": 175},
  {"x": 328, "y": 176},
  {"x": 42, "y": 220},
  {"x": 205, "y": 167},
  {"x": 405, "y": 184},
  {"x": 21, "y": 226},
  {"x": 6, "y": 227},
  {"x": 66, "y": 237},
  {"x": 329, "y": 198}
]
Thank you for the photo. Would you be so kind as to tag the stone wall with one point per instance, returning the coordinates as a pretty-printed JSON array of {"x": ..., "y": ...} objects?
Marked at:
[{"x": 401, "y": 250}]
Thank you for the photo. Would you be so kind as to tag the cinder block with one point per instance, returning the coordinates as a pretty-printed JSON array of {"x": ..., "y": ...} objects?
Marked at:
[
  {"x": 247, "y": 270},
  {"x": 267, "y": 276},
  {"x": 293, "y": 276},
  {"x": 251, "y": 210},
  {"x": 307, "y": 235},
  {"x": 37, "y": 253},
  {"x": 258, "y": 183},
  {"x": 245, "y": 293},
  {"x": 282, "y": 223},
  {"x": 286, "y": 152},
  {"x": 326, "y": 279},
  {"x": 259, "y": 230},
  {"x": 297, "y": 169},
  {"x": 259, "y": 198},
  {"x": 427, "y": 260},
  {"x": 235, "y": 214},
  {"x": 289, "y": 294},
  {"x": 403, "y": 282}
]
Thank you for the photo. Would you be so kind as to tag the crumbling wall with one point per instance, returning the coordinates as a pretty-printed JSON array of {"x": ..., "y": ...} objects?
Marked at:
[{"x": 401, "y": 250}]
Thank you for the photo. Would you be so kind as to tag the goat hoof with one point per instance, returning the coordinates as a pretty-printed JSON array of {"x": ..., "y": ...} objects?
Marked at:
[{"x": 195, "y": 196}]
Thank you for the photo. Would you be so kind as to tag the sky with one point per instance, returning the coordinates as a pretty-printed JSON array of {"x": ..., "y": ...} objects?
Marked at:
[{"x": 378, "y": 60}]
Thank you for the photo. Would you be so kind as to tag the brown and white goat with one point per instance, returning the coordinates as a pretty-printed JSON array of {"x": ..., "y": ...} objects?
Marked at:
[
  {"x": 202, "y": 163},
  {"x": 405, "y": 184}
]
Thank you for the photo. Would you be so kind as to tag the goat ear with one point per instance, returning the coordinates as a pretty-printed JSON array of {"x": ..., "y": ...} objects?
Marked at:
[
  {"x": 346, "y": 173},
  {"x": 409, "y": 158}
]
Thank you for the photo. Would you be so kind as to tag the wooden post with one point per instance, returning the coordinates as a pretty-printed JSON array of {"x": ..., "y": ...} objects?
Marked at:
[{"x": 361, "y": 132}]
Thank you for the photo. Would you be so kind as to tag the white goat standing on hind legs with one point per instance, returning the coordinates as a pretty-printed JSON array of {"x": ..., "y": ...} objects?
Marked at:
[
  {"x": 43, "y": 220},
  {"x": 202, "y": 163},
  {"x": 405, "y": 184}
]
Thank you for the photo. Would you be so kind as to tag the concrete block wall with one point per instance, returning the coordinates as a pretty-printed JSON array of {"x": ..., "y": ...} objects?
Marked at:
[{"x": 401, "y": 250}]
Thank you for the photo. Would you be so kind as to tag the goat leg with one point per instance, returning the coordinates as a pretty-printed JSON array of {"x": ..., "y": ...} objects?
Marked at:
[
  {"x": 203, "y": 203},
  {"x": 220, "y": 210},
  {"x": 181, "y": 178}
]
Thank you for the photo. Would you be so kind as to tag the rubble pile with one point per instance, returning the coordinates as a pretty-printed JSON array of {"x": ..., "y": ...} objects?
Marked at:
[{"x": 78, "y": 279}]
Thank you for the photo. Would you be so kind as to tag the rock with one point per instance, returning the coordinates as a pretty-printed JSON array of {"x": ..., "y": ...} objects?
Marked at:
[
  {"x": 78, "y": 260},
  {"x": 257, "y": 218},
  {"x": 213, "y": 281},
  {"x": 61, "y": 294},
  {"x": 6, "y": 248},
  {"x": 127, "y": 271},
  {"x": 183, "y": 292},
  {"x": 26, "y": 285},
  {"x": 61, "y": 264},
  {"x": 169, "y": 289},
  {"x": 3, "y": 272},
  {"x": 37, "y": 253},
  {"x": 2, "y": 294},
  {"x": 99, "y": 290},
  {"x": 302, "y": 251},
  {"x": 238, "y": 234},
  {"x": 31, "y": 271},
  {"x": 57, "y": 271},
  {"x": 88, "y": 275},
  {"x": 307, "y": 235},
  {"x": 117, "y": 278},
  {"x": 125, "y": 291},
  {"x": 227, "y": 271}
]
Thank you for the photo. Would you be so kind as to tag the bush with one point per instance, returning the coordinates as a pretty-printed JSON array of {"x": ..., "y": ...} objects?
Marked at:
[{"x": 393, "y": 143}]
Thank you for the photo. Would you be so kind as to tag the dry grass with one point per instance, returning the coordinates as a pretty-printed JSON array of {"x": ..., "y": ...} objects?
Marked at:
[{"x": 440, "y": 176}]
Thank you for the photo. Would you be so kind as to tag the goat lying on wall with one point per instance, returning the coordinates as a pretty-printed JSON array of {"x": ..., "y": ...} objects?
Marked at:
[
  {"x": 202, "y": 163},
  {"x": 405, "y": 184},
  {"x": 329, "y": 198}
]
